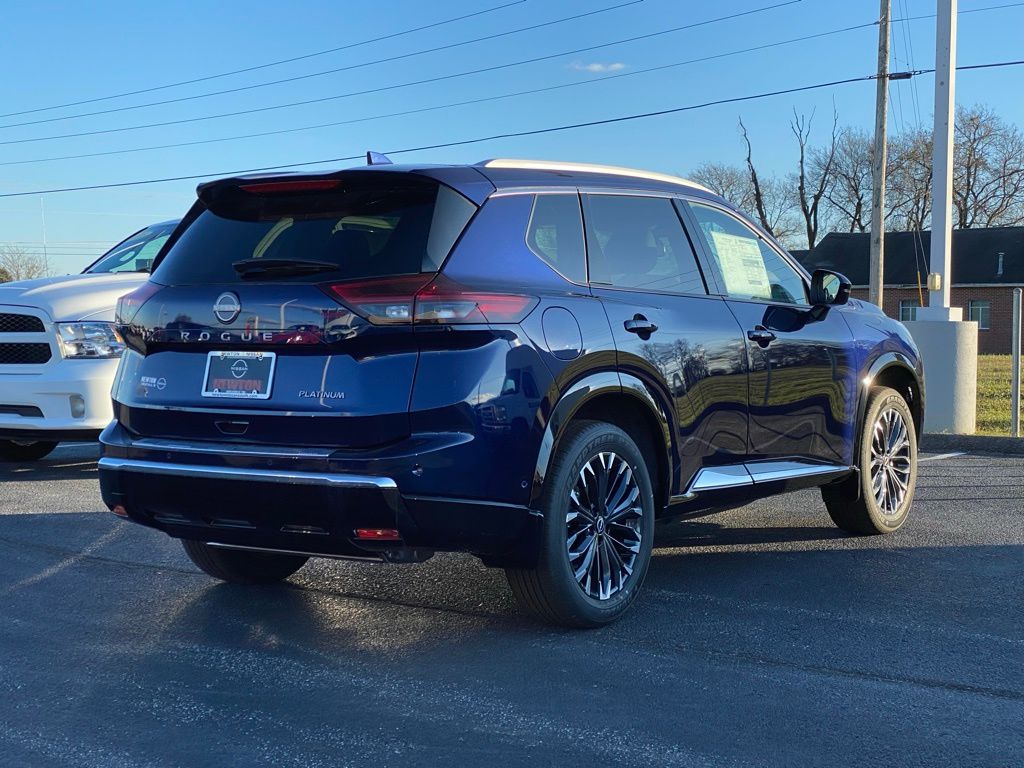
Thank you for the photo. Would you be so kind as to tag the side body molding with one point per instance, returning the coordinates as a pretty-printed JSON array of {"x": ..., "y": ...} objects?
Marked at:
[{"x": 579, "y": 394}]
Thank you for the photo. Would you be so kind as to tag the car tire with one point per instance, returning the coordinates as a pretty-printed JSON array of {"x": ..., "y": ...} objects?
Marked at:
[
  {"x": 239, "y": 566},
  {"x": 564, "y": 587},
  {"x": 15, "y": 450},
  {"x": 878, "y": 498}
]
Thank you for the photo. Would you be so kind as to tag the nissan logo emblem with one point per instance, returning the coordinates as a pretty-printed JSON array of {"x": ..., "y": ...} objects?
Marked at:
[{"x": 227, "y": 307}]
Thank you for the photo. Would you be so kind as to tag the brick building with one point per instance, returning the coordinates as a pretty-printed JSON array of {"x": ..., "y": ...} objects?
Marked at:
[{"x": 987, "y": 265}]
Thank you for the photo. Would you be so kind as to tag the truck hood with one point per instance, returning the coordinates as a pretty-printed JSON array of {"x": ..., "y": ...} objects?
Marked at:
[{"x": 72, "y": 297}]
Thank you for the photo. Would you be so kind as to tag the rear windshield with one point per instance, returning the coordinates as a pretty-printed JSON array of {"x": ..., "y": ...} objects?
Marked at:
[{"x": 362, "y": 231}]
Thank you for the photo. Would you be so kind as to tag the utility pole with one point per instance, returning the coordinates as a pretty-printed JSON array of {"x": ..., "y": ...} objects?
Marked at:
[
  {"x": 876, "y": 270},
  {"x": 942, "y": 163}
]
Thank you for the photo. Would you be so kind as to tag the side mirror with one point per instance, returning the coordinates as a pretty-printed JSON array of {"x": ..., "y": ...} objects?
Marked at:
[{"x": 829, "y": 288}]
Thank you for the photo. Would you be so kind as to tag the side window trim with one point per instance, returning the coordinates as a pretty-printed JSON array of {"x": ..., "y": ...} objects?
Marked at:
[
  {"x": 691, "y": 220},
  {"x": 586, "y": 194}
]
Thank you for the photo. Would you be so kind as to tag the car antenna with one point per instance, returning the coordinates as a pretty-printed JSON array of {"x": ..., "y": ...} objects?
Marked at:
[{"x": 377, "y": 158}]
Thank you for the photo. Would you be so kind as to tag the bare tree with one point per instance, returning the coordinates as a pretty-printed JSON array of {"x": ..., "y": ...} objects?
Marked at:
[
  {"x": 5, "y": 276},
  {"x": 908, "y": 181},
  {"x": 988, "y": 170},
  {"x": 729, "y": 181},
  {"x": 756, "y": 189},
  {"x": 19, "y": 264},
  {"x": 813, "y": 179},
  {"x": 849, "y": 195}
]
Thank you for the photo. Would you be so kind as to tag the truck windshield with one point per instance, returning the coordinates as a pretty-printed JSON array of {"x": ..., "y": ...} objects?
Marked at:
[{"x": 135, "y": 254}]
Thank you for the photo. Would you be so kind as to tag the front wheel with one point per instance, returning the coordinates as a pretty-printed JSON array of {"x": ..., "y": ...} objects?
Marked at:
[
  {"x": 878, "y": 500},
  {"x": 25, "y": 450},
  {"x": 241, "y": 566},
  {"x": 598, "y": 529}
]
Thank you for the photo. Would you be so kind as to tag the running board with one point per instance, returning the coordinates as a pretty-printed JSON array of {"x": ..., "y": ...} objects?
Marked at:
[{"x": 758, "y": 473}]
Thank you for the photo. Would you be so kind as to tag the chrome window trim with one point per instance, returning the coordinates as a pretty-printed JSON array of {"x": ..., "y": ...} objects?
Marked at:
[{"x": 249, "y": 475}]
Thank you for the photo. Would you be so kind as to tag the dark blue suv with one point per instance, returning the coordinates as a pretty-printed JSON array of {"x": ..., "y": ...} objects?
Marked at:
[{"x": 532, "y": 362}]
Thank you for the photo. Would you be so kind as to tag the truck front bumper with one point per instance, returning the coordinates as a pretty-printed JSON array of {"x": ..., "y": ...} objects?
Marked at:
[{"x": 67, "y": 400}]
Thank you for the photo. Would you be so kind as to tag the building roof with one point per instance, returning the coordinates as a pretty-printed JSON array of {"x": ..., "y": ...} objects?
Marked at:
[{"x": 980, "y": 256}]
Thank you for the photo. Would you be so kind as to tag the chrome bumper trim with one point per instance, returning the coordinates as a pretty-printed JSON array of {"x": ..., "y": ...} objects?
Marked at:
[{"x": 249, "y": 475}]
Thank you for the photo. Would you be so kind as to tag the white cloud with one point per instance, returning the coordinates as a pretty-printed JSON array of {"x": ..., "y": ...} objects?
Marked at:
[{"x": 597, "y": 67}]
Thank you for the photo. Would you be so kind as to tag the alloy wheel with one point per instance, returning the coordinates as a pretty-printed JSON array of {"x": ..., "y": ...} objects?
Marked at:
[
  {"x": 604, "y": 525},
  {"x": 891, "y": 462}
]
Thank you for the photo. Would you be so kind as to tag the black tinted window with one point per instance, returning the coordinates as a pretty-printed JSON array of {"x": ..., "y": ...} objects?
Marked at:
[
  {"x": 365, "y": 230},
  {"x": 555, "y": 233},
  {"x": 638, "y": 242}
]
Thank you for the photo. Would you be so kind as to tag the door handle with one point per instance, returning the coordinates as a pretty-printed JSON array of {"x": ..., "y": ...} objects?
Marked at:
[
  {"x": 641, "y": 326},
  {"x": 762, "y": 336}
]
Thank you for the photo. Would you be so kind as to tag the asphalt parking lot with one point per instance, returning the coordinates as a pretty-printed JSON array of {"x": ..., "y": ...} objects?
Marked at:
[{"x": 764, "y": 637}]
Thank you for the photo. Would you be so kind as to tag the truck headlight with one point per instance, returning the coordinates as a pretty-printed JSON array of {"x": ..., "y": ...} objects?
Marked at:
[{"x": 89, "y": 340}]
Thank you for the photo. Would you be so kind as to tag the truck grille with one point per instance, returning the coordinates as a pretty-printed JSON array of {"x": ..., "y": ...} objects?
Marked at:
[
  {"x": 24, "y": 354},
  {"x": 12, "y": 323}
]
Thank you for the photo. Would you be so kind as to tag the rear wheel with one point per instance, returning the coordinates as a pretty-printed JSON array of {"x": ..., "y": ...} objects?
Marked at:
[
  {"x": 597, "y": 533},
  {"x": 240, "y": 566},
  {"x": 878, "y": 500},
  {"x": 25, "y": 450}
]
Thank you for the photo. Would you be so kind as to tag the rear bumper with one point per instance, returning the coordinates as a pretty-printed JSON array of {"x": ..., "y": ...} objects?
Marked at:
[{"x": 296, "y": 500}]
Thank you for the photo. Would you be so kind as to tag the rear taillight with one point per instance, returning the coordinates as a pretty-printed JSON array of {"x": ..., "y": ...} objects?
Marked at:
[
  {"x": 418, "y": 299},
  {"x": 128, "y": 305}
]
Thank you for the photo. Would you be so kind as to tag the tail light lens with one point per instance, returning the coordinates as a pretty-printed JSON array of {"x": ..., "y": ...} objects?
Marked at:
[
  {"x": 128, "y": 305},
  {"x": 422, "y": 300}
]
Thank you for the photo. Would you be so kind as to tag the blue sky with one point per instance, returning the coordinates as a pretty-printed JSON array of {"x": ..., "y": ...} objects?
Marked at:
[{"x": 57, "y": 52}]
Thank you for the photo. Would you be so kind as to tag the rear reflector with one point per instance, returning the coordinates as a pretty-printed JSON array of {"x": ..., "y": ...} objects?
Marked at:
[
  {"x": 378, "y": 534},
  {"x": 418, "y": 299},
  {"x": 296, "y": 185}
]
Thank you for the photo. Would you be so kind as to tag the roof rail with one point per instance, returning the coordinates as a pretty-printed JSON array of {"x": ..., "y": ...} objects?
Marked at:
[{"x": 611, "y": 170}]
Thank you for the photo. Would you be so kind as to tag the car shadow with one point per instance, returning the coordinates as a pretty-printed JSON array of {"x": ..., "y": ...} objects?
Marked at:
[{"x": 47, "y": 469}]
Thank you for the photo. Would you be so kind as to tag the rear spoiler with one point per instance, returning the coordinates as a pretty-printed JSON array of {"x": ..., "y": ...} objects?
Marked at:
[{"x": 232, "y": 191}]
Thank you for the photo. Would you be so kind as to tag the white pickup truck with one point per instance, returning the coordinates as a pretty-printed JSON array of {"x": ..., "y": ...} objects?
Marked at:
[{"x": 59, "y": 349}]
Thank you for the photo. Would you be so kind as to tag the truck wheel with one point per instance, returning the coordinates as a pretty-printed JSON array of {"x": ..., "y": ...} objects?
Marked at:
[
  {"x": 240, "y": 566},
  {"x": 598, "y": 530},
  {"x": 879, "y": 498},
  {"x": 18, "y": 450}
]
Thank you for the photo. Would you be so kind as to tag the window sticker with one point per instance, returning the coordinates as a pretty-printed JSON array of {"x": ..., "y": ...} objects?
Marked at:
[{"x": 742, "y": 265}]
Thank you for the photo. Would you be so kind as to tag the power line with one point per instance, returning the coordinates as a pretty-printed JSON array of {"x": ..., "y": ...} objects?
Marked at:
[
  {"x": 462, "y": 142},
  {"x": 395, "y": 86},
  {"x": 255, "y": 67},
  {"x": 497, "y": 136},
  {"x": 450, "y": 105},
  {"x": 346, "y": 68}
]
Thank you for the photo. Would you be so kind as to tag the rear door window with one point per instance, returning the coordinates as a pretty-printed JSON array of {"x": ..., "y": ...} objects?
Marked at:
[
  {"x": 639, "y": 243},
  {"x": 366, "y": 229},
  {"x": 555, "y": 234}
]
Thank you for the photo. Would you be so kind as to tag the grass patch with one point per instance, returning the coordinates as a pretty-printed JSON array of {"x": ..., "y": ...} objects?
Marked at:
[{"x": 994, "y": 394}]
